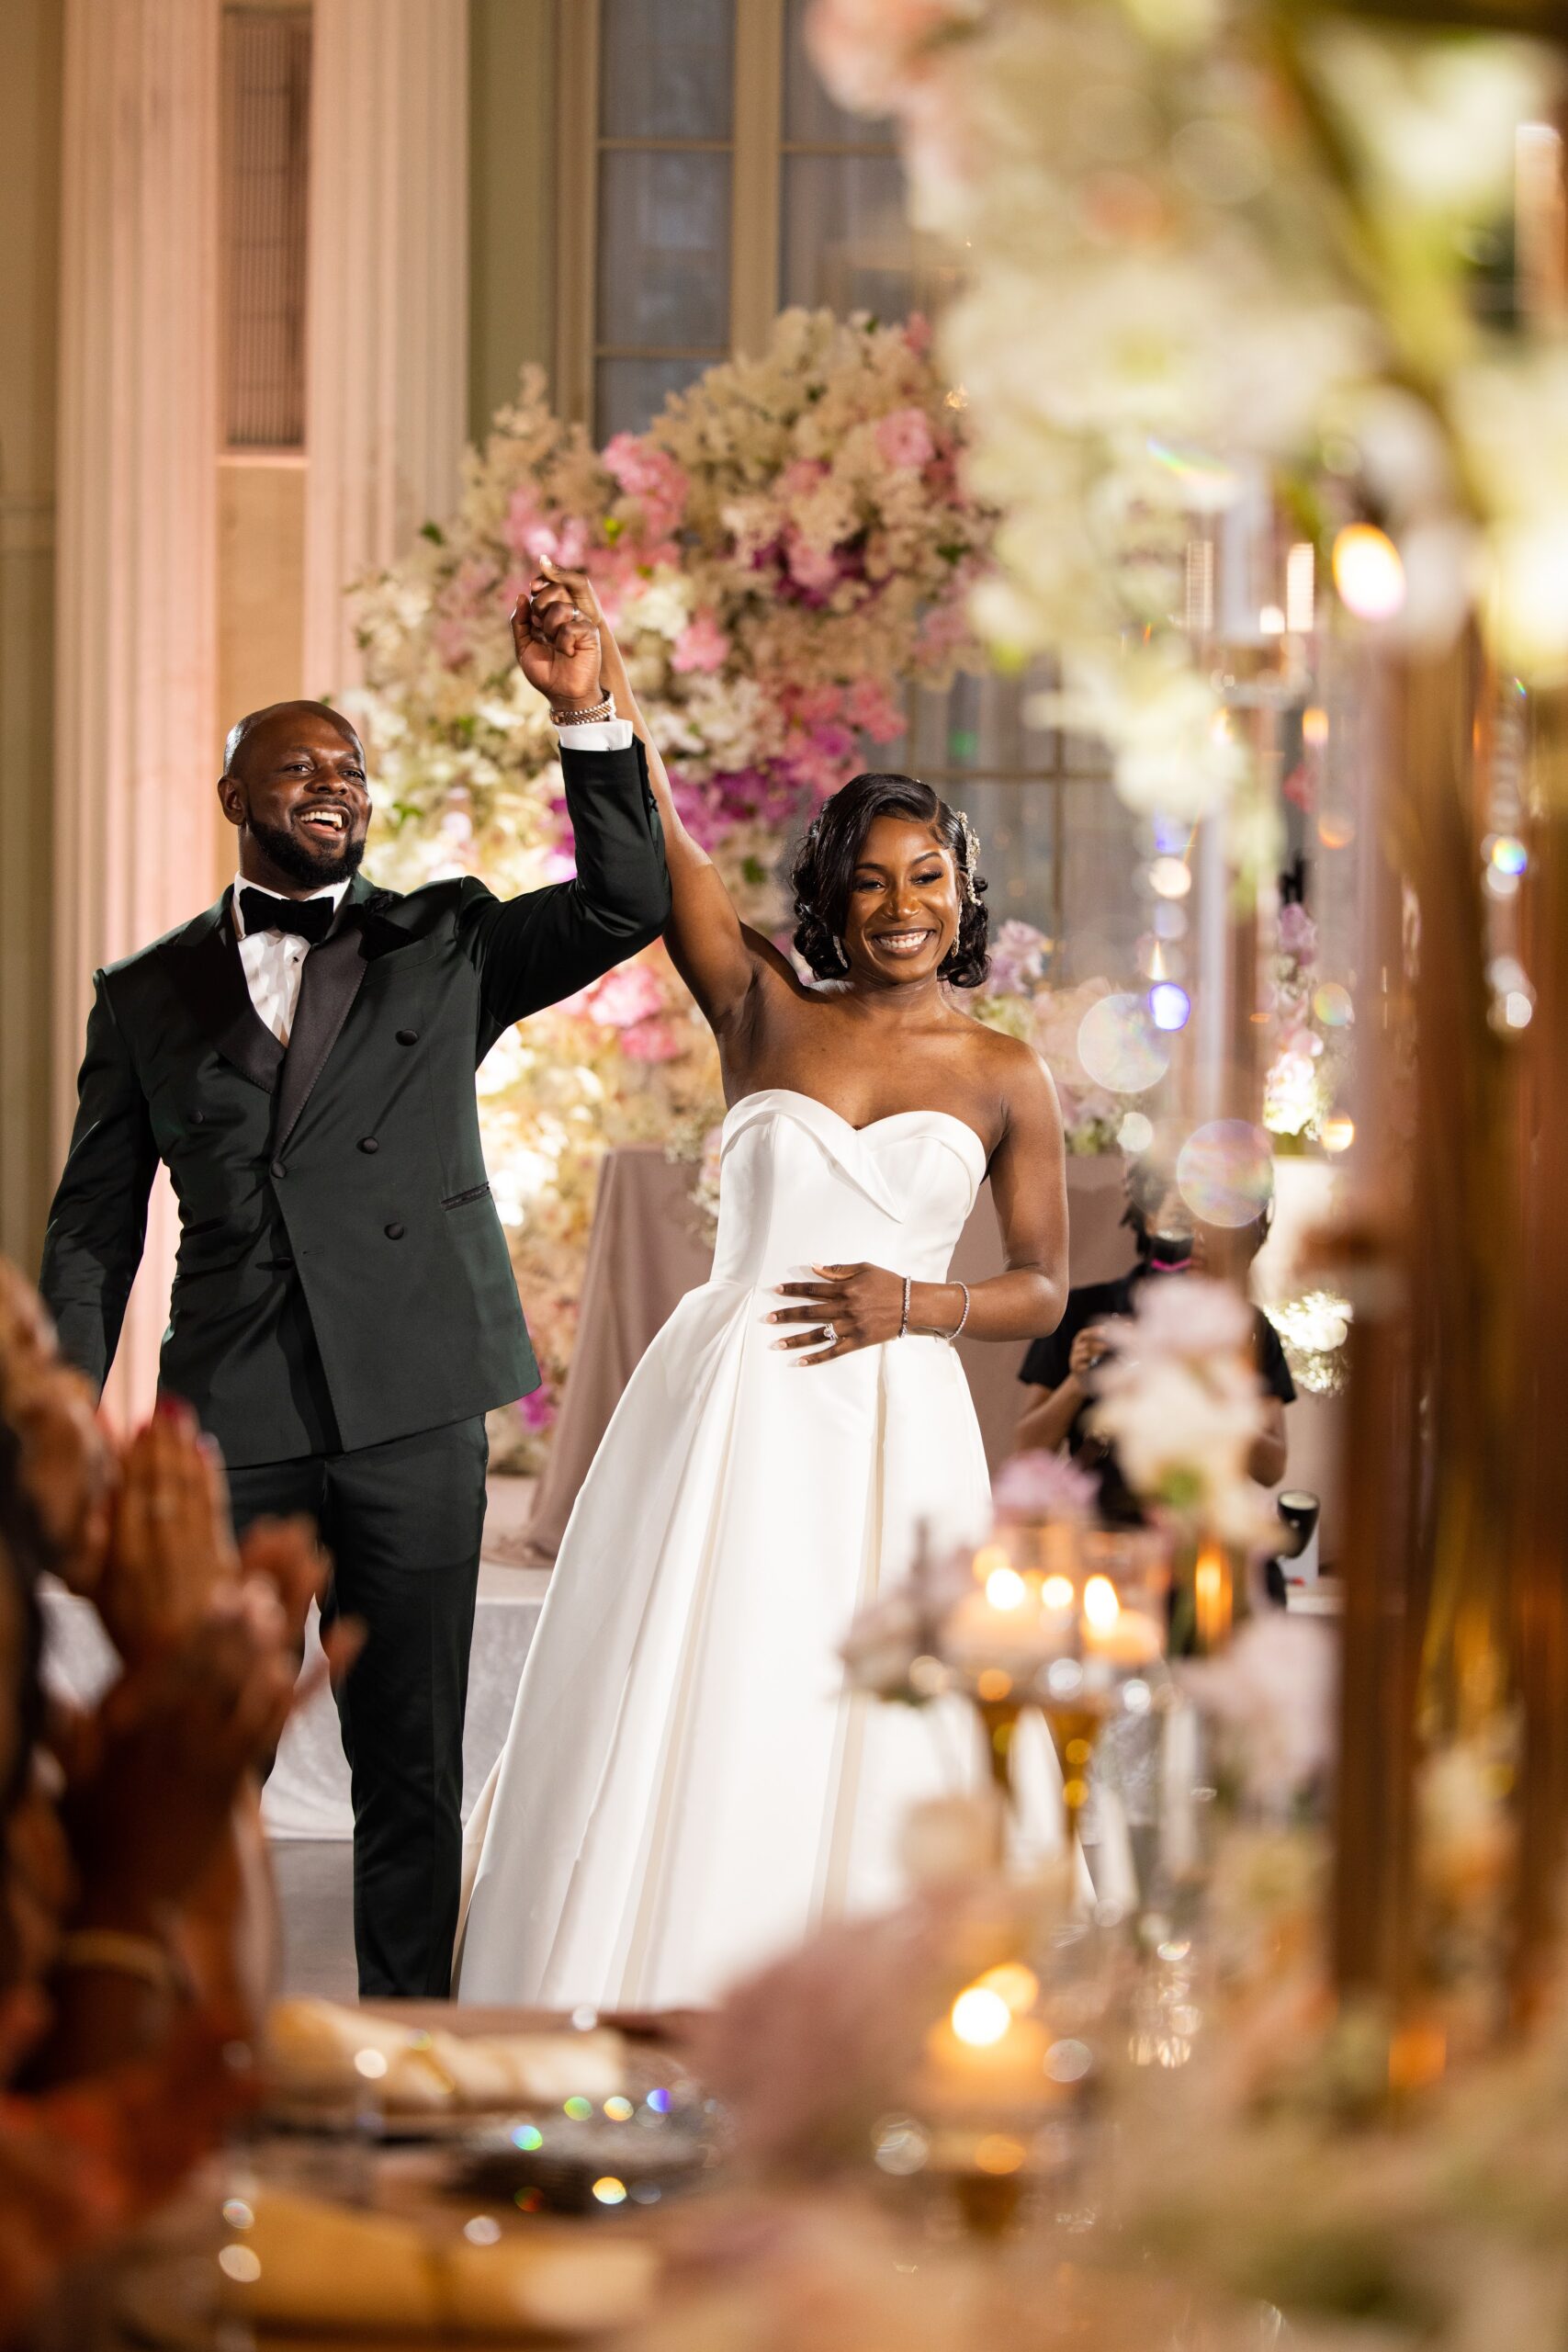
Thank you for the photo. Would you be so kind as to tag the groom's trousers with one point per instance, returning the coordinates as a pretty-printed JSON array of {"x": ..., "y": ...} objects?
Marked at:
[{"x": 403, "y": 1522}]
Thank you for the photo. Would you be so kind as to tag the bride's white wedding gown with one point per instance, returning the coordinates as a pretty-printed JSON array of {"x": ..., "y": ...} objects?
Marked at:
[{"x": 686, "y": 1788}]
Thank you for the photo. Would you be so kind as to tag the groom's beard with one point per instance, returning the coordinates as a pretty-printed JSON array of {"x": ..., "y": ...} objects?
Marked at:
[{"x": 303, "y": 866}]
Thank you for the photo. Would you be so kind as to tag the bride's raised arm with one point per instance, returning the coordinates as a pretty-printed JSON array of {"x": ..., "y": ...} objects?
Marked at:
[{"x": 721, "y": 959}]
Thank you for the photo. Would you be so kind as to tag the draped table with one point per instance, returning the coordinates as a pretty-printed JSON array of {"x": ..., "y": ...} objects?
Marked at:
[{"x": 648, "y": 1250}]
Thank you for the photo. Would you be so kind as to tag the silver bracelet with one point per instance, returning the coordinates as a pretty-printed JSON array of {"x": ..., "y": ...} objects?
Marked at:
[
  {"x": 904, "y": 1318},
  {"x": 964, "y": 1317}
]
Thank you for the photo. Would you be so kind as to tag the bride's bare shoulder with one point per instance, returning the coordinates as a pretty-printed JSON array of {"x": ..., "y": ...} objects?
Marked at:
[{"x": 1014, "y": 1071}]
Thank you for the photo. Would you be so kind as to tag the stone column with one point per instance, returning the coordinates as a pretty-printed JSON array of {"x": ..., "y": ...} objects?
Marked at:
[
  {"x": 136, "y": 728},
  {"x": 387, "y": 386}
]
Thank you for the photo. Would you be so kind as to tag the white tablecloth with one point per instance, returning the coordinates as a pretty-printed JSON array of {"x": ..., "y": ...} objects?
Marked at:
[{"x": 307, "y": 1795}]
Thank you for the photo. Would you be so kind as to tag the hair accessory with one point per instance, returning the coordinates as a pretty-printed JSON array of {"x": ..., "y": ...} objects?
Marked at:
[
  {"x": 964, "y": 1317},
  {"x": 904, "y": 1318},
  {"x": 593, "y": 715},
  {"x": 971, "y": 865}
]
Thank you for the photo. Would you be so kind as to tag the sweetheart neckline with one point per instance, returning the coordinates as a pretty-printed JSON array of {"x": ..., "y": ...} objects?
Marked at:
[{"x": 888, "y": 1118}]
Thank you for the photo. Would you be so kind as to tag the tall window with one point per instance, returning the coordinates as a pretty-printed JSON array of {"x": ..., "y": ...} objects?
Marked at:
[
  {"x": 709, "y": 181},
  {"x": 264, "y": 155}
]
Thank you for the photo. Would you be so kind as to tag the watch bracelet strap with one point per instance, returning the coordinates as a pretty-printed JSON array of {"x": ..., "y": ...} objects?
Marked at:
[{"x": 596, "y": 715}]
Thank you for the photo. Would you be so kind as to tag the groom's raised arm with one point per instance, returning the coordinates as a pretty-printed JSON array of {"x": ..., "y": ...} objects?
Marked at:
[{"x": 535, "y": 950}]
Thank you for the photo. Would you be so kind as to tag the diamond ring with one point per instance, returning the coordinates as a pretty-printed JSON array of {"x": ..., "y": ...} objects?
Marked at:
[{"x": 829, "y": 1334}]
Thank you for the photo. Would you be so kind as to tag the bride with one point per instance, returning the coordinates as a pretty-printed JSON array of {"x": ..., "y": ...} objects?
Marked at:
[{"x": 685, "y": 1789}]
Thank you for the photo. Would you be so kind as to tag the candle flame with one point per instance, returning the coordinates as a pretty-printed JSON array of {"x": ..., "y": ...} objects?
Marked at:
[
  {"x": 980, "y": 2017},
  {"x": 1100, "y": 1605}
]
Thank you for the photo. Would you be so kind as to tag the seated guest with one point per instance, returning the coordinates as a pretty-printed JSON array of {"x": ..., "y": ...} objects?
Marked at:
[
  {"x": 1059, "y": 1371},
  {"x": 134, "y": 1909}
]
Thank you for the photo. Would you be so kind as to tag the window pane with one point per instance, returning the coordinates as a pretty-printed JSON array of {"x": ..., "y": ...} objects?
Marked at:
[
  {"x": 266, "y": 166},
  {"x": 630, "y": 393},
  {"x": 846, "y": 241},
  {"x": 664, "y": 250},
  {"x": 1103, "y": 916},
  {"x": 809, "y": 113},
  {"x": 666, "y": 69}
]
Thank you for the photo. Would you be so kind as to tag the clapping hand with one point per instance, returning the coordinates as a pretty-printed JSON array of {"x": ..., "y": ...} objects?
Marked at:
[
  {"x": 555, "y": 629},
  {"x": 849, "y": 1307}
]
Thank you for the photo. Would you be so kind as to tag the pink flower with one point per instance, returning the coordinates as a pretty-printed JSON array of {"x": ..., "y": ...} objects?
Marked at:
[
  {"x": 810, "y": 567},
  {"x": 651, "y": 1041},
  {"x": 917, "y": 334},
  {"x": 1044, "y": 1486},
  {"x": 905, "y": 439},
  {"x": 1018, "y": 957},
  {"x": 809, "y": 704},
  {"x": 625, "y": 997},
  {"x": 1298, "y": 932},
  {"x": 651, "y": 476},
  {"x": 537, "y": 1410},
  {"x": 702, "y": 645},
  {"x": 799, "y": 476},
  {"x": 872, "y": 706}
]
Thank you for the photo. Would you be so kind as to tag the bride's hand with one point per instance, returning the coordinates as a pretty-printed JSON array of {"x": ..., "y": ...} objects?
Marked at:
[{"x": 850, "y": 1307}]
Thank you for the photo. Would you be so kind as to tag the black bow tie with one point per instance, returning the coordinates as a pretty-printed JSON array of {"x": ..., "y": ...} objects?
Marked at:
[{"x": 312, "y": 917}]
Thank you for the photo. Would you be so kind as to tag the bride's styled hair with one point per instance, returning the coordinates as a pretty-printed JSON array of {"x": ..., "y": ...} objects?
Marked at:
[{"x": 825, "y": 864}]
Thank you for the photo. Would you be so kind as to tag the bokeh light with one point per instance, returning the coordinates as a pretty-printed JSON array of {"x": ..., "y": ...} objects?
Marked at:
[
  {"x": 1004, "y": 1589},
  {"x": 1369, "y": 573},
  {"x": 1509, "y": 854},
  {"x": 1168, "y": 1005},
  {"x": 1314, "y": 727},
  {"x": 1135, "y": 1133},
  {"x": 1333, "y": 1006},
  {"x": 980, "y": 2017},
  {"x": 1170, "y": 877},
  {"x": 1117, "y": 1047},
  {"x": 1100, "y": 1605},
  {"x": 1338, "y": 1131},
  {"x": 1336, "y": 829},
  {"x": 1224, "y": 1172}
]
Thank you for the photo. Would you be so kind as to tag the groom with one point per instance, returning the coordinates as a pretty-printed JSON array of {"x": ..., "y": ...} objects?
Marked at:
[{"x": 302, "y": 1058}]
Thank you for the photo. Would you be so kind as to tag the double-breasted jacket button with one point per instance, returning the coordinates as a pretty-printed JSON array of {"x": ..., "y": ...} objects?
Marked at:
[
  {"x": 370, "y": 1143},
  {"x": 395, "y": 1232},
  {"x": 408, "y": 1037},
  {"x": 279, "y": 1168},
  {"x": 198, "y": 1118}
]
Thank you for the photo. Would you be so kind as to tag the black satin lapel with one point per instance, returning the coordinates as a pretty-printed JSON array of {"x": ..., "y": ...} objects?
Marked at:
[
  {"x": 328, "y": 986},
  {"x": 207, "y": 971}
]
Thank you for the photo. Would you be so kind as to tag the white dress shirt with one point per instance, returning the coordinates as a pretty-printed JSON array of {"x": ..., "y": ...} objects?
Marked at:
[{"x": 274, "y": 960}]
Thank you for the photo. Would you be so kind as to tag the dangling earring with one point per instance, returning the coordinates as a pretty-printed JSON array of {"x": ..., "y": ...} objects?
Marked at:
[{"x": 839, "y": 946}]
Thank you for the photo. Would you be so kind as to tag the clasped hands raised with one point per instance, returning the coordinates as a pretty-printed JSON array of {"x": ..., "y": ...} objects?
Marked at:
[{"x": 159, "y": 1778}]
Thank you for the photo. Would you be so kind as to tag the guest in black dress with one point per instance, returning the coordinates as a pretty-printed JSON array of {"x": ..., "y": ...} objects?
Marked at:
[{"x": 1058, "y": 1371}]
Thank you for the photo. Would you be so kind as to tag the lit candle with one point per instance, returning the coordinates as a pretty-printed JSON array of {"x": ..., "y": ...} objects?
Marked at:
[
  {"x": 1212, "y": 1600},
  {"x": 1008, "y": 1621},
  {"x": 1121, "y": 1637},
  {"x": 980, "y": 2055}
]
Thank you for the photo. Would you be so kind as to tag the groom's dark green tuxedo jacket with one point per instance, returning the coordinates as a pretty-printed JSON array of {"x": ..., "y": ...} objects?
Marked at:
[{"x": 342, "y": 1277}]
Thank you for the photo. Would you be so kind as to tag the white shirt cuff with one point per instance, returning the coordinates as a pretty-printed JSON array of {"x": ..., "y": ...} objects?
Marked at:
[{"x": 609, "y": 735}]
